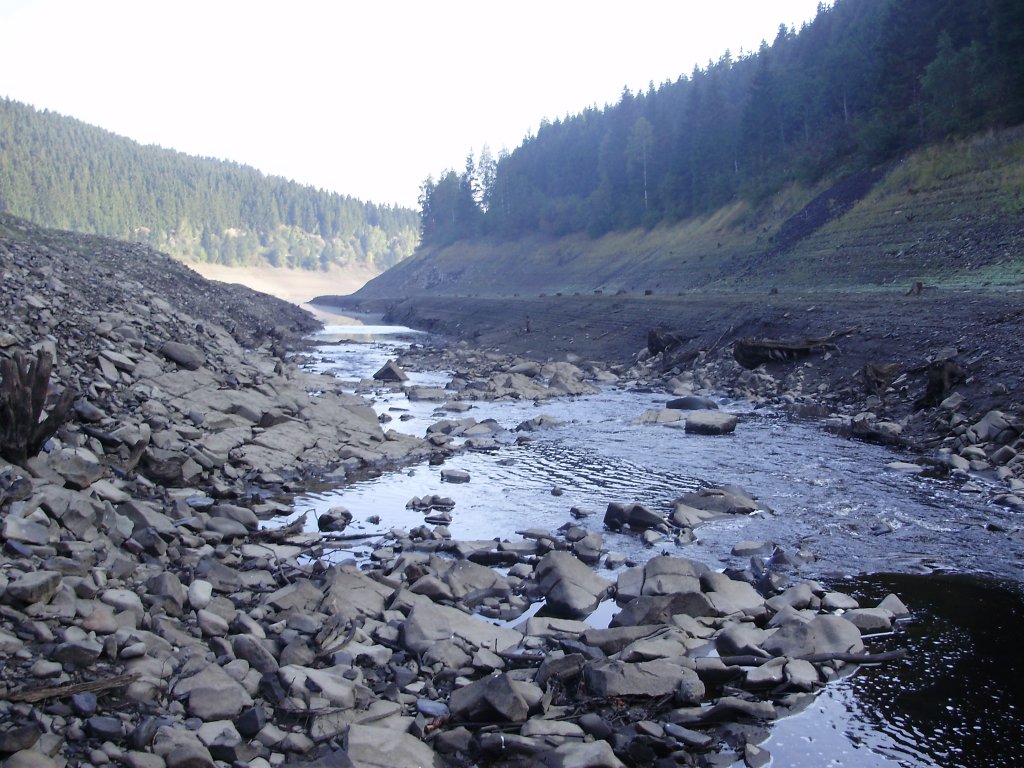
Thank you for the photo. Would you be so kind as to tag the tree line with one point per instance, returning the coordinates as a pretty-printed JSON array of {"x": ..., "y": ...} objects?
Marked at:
[
  {"x": 862, "y": 83},
  {"x": 60, "y": 172}
]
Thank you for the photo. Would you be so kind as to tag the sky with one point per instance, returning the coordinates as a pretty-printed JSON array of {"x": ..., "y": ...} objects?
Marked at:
[{"x": 361, "y": 97}]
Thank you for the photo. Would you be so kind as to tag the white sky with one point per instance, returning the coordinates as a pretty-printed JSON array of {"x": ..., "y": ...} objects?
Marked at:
[{"x": 361, "y": 97}]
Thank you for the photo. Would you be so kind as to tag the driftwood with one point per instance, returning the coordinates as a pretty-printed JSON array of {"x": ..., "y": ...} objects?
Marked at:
[
  {"x": 23, "y": 391},
  {"x": 62, "y": 691},
  {"x": 818, "y": 658},
  {"x": 750, "y": 352}
]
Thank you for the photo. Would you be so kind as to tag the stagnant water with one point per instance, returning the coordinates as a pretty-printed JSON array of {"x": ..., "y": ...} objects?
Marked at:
[{"x": 955, "y": 560}]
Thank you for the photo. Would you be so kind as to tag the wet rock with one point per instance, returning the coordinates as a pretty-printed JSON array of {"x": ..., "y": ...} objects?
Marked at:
[
  {"x": 636, "y": 516},
  {"x": 711, "y": 423},
  {"x": 752, "y": 548},
  {"x": 454, "y": 476},
  {"x": 335, "y": 519},
  {"x": 391, "y": 372},
  {"x": 692, "y": 403}
]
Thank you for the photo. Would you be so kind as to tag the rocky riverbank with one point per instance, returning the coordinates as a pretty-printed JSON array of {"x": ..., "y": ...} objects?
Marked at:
[
  {"x": 932, "y": 371},
  {"x": 147, "y": 619}
]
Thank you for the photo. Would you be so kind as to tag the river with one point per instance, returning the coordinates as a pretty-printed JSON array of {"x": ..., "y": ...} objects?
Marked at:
[{"x": 868, "y": 529}]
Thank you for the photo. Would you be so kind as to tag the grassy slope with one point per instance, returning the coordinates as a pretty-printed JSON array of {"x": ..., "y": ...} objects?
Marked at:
[{"x": 951, "y": 215}]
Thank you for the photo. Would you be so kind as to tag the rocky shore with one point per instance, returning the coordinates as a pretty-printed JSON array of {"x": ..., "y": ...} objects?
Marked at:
[
  {"x": 151, "y": 422},
  {"x": 931, "y": 371}
]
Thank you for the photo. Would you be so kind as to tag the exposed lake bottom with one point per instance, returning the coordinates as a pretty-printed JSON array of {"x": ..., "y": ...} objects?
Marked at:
[{"x": 834, "y": 507}]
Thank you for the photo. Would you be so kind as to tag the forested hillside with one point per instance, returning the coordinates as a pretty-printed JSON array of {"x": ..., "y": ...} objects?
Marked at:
[
  {"x": 60, "y": 172},
  {"x": 865, "y": 82}
]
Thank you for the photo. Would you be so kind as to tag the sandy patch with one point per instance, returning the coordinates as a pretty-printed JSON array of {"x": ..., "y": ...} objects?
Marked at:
[{"x": 295, "y": 285}]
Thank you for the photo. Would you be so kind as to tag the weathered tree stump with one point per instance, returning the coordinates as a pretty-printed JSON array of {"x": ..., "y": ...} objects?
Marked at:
[{"x": 24, "y": 382}]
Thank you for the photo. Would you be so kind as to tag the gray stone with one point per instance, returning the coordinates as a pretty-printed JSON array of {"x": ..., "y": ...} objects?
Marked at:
[
  {"x": 594, "y": 754},
  {"x": 254, "y": 651},
  {"x": 869, "y": 620},
  {"x": 25, "y": 531},
  {"x": 659, "y": 609},
  {"x": 454, "y": 475},
  {"x": 493, "y": 698},
  {"x": 34, "y": 587},
  {"x": 895, "y": 606},
  {"x": 391, "y": 372},
  {"x": 822, "y": 635},
  {"x": 370, "y": 747},
  {"x": 711, "y": 423},
  {"x": 428, "y": 624},
  {"x": 645, "y": 678},
  {"x": 79, "y": 467},
  {"x": 572, "y": 589},
  {"x": 185, "y": 356}
]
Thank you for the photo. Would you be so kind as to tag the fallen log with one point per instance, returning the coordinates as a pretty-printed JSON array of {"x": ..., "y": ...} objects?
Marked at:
[
  {"x": 750, "y": 352},
  {"x": 62, "y": 691}
]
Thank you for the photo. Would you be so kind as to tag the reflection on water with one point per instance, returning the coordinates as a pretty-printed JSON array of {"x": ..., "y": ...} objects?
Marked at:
[
  {"x": 954, "y": 700},
  {"x": 833, "y": 498}
]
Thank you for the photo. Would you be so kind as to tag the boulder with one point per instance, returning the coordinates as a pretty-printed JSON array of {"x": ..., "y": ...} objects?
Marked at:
[
  {"x": 711, "y": 423},
  {"x": 391, "y": 372},
  {"x": 428, "y": 624},
  {"x": 636, "y": 516},
  {"x": 607, "y": 678},
  {"x": 34, "y": 587},
  {"x": 454, "y": 476},
  {"x": 692, "y": 403},
  {"x": 185, "y": 356},
  {"x": 572, "y": 589},
  {"x": 79, "y": 467},
  {"x": 493, "y": 698},
  {"x": 821, "y": 635},
  {"x": 371, "y": 747}
]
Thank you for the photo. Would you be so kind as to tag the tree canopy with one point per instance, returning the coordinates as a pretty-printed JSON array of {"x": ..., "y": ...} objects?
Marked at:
[
  {"x": 862, "y": 83},
  {"x": 63, "y": 173}
]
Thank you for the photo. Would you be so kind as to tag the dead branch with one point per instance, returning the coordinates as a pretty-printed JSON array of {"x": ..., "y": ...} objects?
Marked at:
[
  {"x": 62, "y": 691},
  {"x": 23, "y": 390}
]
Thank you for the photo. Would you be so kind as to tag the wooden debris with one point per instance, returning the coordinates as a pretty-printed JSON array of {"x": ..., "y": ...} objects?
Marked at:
[
  {"x": 62, "y": 691},
  {"x": 750, "y": 352}
]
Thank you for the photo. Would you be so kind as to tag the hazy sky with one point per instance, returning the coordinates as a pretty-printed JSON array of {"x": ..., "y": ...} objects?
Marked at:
[{"x": 364, "y": 98}]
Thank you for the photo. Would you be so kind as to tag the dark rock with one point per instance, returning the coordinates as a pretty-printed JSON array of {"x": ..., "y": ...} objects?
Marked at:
[
  {"x": 15, "y": 738},
  {"x": 391, "y": 372},
  {"x": 692, "y": 403},
  {"x": 335, "y": 519},
  {"x": 84, "y": 704},
  {"x": 105, "y": 727}
]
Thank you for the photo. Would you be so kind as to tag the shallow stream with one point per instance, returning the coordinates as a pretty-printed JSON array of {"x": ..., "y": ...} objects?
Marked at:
[{"x": 955, "y": 699}]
